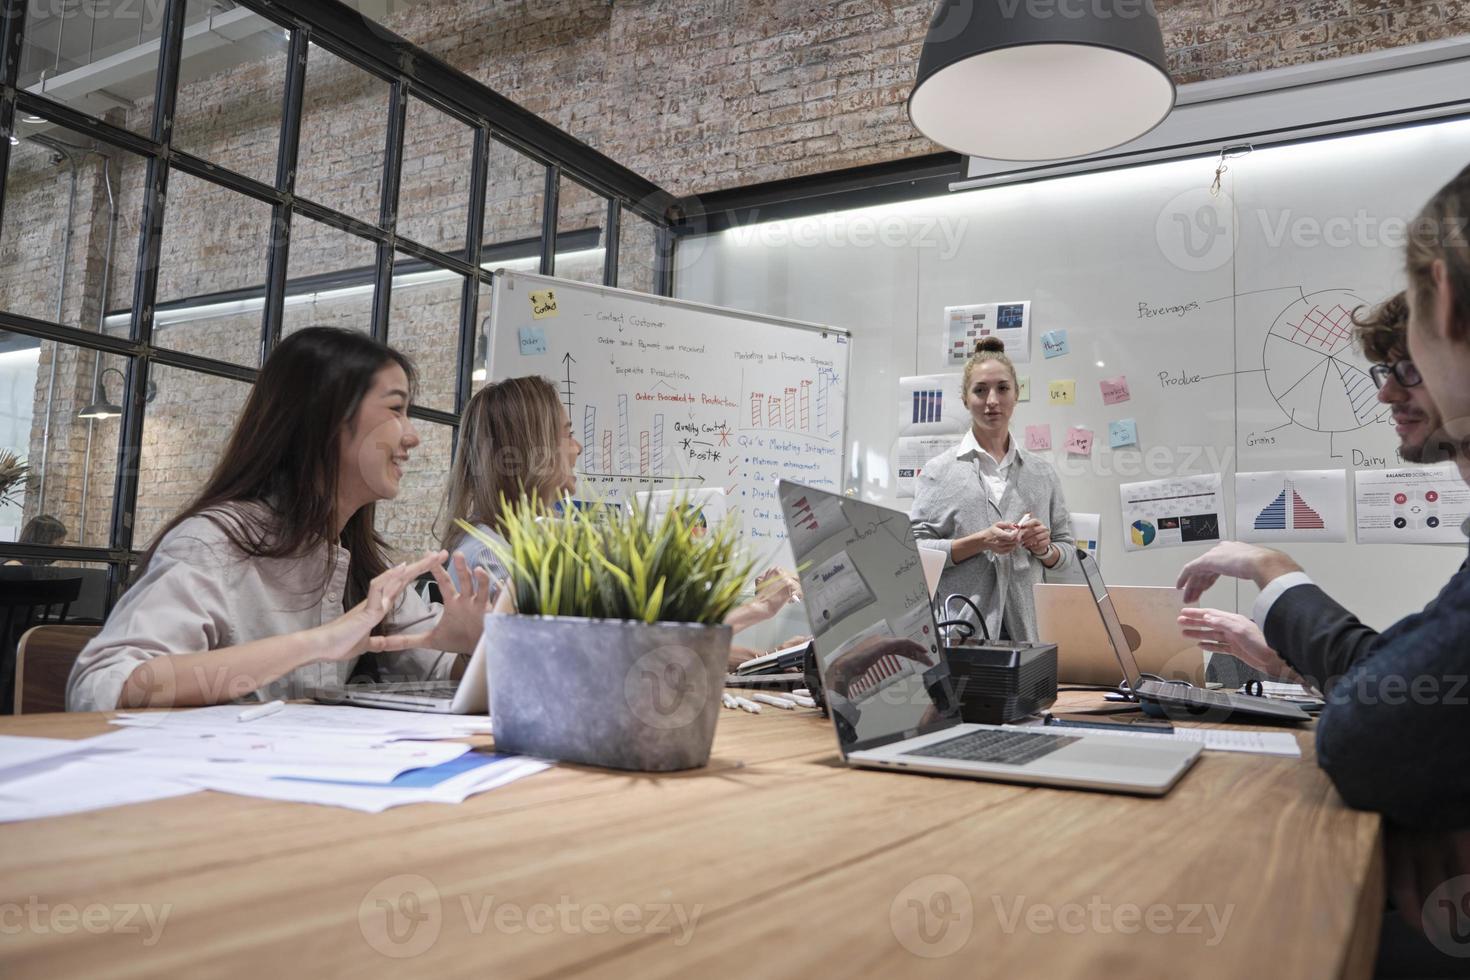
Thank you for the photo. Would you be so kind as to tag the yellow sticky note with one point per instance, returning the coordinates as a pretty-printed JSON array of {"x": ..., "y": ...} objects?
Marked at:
[
  {"x": 543, "y": 304},
  {"x": 1062, "y": 393},
  {"x": 1025, "y": 394}
]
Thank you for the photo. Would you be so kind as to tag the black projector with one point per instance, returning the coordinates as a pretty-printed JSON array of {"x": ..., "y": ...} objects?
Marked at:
[{"x": 998, "y": 682}]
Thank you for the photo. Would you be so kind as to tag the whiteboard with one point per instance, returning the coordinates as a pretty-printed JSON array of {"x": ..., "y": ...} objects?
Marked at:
[
  {"x": 1190, "y": 325},
  {"x": 666, "y": 394}
]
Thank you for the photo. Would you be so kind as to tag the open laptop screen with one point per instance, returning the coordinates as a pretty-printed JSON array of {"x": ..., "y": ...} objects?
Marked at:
[
  {"x": 873, "y": 629},
  {"x": 1116, "y": 636}
]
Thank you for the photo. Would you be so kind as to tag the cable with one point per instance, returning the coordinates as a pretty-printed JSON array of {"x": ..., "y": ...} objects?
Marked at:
[{"x": 979, "y": 616}]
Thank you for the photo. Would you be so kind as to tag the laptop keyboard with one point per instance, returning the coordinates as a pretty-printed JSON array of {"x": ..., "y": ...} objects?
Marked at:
[{"x": 989, "y": 745}]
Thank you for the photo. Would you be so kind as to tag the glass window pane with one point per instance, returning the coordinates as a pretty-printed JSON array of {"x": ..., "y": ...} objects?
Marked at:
[
  {"x": 434, "y": 189},
  {"x": 514, "y": 192},
  {"x": 97, "y": 58},
  {"x": 344, "y": 126},
  {"x": 54, "y": 270},
  {"x": 184, "y": 431},
  {"x": 423, "y": 322},
  {"x": 232, "y": 84},
  {"x": 44, "y": 388},
  {"x": 580, "y": 217},
  {"x": 213, "y": 249},
  {"x": 637, "y": 251},
  {"x": 329, "y": 278},
  {"x": 88, "y": 607},
  {"x": 408, "y": 522}
]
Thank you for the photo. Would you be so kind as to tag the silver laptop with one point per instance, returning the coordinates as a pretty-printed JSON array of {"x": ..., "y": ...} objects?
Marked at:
[
  {"x": 886, "y": 681},
  {"x": 467, "y": 696},
  {"x": 1172, "y": 698},
  {"x": 1149, "y": 615}
]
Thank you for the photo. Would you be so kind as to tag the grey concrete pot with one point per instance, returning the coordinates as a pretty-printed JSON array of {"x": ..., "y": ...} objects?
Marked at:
[{"x": 605, "y": 692}]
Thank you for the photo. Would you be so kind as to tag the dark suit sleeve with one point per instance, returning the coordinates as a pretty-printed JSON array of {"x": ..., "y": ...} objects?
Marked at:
[
  {"x": 1317, "y": 636},
  {"x": 1391, "y": 737}
]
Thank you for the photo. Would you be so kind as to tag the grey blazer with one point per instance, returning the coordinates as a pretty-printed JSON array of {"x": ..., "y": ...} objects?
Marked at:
[{"x": 950, "y": 502}]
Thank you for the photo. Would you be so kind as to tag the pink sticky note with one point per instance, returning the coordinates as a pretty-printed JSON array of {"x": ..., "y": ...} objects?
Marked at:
[
  {"x": 1079, "y": 441},
  {"x": 1114, "y": 390},
  {"x": 1038, "y": 437}
]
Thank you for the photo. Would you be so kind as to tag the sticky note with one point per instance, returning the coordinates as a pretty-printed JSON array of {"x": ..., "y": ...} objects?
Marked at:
[
  {"x": 1054, "y": 343},
  {"x": 1038, "y": 438},
  {"x": 1025, "y": 393},
  {"x": 1115, "y": 390},
  {"x": 1062, "y": 393},
  {"x": 533, "y": 340},
  {"x": 1123, "y": 432},
  {"x": 1079, "y": 441},
  {"x": 543, "y": 304}
]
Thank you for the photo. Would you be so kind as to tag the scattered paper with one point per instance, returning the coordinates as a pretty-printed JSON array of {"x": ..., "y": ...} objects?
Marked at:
[
  {"x": 1172, "y": 512},
  {"x": 911, "y": 453},
  {"x": 1416, "y": 505},
  {"x": 1087, "y": 531},
  {"x": 1079, "y": 441},
  {"x": 1114, "y": 390},
  {"x": 1062, "y": 393},
  {"x": 19, "y": 752},
  {"x": 931, "y": 404},
  {"x": 316, "y": 718},
  {"x": 1123, "y": 432},
  {"x": 1038, "y": 438},
  {"x": 965, "y": 325},
  {"x": 80, "y": 785},
  {"x": 1227, "y": 740},
  {"x": 1291, "y": 505}
]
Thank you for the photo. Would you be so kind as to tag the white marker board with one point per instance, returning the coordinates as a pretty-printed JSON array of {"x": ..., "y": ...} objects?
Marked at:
[{"x": 665, "y": 394}]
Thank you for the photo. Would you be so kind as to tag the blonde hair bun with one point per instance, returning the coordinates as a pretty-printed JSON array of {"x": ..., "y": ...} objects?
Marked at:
[{"x": 994, "y": 344}]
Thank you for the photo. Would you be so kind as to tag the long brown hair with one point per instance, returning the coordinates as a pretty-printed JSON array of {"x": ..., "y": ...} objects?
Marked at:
[
  {"x": 510, "y": 444},
  {"x": 284, "y": 455}
]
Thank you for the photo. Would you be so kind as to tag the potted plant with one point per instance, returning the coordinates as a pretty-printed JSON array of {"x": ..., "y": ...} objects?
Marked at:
[
  {"x": 616, "y": 654},
  {"x": 15, "y": 477}
]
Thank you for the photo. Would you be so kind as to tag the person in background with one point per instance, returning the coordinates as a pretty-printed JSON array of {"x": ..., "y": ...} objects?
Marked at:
[
  {"x": 1382, "y": 333},
  {"x": 41, "y": 529},
  {"x": 273, "y": 582},
  {"x": 516, "y": 439},
  {"x": 995, "y": 510}
]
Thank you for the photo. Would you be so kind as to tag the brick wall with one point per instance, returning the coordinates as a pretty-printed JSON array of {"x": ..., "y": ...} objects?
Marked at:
[
  {"x": 695, "y": 94},
  {"x": 705, "y": 94}
]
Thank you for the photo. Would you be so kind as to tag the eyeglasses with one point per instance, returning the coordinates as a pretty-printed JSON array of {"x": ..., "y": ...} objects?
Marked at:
[{"x": 1403, "y": 371}]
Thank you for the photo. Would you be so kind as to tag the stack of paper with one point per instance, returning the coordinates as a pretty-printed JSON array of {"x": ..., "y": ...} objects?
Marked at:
[{"x": 361, "y": 758}]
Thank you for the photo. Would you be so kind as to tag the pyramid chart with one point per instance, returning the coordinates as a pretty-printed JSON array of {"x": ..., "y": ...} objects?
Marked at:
[{"x": 1275, "y": 515}]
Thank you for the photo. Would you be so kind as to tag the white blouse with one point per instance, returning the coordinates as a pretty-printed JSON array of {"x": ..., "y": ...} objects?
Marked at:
[{"x": 200, "y": 593}]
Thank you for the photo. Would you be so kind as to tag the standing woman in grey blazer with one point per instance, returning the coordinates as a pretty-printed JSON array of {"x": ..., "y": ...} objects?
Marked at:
[{"x": 973, "y": 503}]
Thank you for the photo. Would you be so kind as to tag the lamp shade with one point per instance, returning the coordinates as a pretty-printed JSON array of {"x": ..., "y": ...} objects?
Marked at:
[{"x": 1040, "y": 79}]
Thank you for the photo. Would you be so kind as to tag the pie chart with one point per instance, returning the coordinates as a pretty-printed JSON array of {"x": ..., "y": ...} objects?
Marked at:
[
  {"x": 1312, "y": 368},
  {"x": 1143, "y": 533}
]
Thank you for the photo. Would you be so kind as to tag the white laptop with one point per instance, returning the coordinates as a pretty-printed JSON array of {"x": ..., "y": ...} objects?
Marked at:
[
  {"x": 467, "y": 696},
  {"x": 886, "y": 681},
  {"x": 1149, "y": 615}
]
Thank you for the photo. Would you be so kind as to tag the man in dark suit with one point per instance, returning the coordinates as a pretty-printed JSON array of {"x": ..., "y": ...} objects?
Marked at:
[
  {"x": 1392, "y": 734},
  {"x": 1306, "y": 618}
]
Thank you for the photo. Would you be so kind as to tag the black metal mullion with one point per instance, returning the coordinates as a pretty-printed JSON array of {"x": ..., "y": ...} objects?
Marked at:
[
  {"x": 550, "y": 202},
  {"x": 433, "y": 415},
  {"x": 388, "y": 207},
  {"x": 65, "y": 115},
  {"x": 46, "y": 330},
  {"x": 474, "y": 245},
  {"x": 11, "y": 44},
  {"x": 145, "y": 282},
  {"x": 663, "y": 261},
  {"x": 278, "y": 258},
  {"x": 198, "y": 167},
  {"x": 611, "y": 241}
]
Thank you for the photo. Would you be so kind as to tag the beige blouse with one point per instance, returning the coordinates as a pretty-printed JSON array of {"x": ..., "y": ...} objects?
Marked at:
[{"x": 200, "y": 593}]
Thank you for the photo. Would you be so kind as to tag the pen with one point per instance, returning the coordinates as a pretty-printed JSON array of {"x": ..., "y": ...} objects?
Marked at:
[
  {"x": 728, "y": 700},
  {"x": 261, "y": 711},
  {"x": 805, "y": 702},
  {"x": 744, "y": 704}
]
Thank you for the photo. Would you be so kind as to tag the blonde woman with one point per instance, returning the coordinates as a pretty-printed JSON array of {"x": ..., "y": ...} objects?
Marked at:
[
  {"x": 516, "y": 438},
  {"x": 994, "y": 509}
]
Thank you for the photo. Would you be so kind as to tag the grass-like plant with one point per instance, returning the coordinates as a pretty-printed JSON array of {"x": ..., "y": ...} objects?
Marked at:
[
  {"x": 15, "y": 477},
  {"x": 610, "y": 562}
]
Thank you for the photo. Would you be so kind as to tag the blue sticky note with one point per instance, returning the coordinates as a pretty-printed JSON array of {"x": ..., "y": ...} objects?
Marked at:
[
  {"x": 1123, "y": 432},
  {"x": 533, "y": 340},
  {"x": 1054, "y": 343}
]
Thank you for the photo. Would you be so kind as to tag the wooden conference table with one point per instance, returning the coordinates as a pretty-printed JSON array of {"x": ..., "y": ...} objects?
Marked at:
[{"x": 775, "y": 860}]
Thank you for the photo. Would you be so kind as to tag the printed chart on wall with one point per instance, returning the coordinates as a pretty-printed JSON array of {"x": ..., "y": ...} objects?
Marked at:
[{"x": 670, "y": 395}]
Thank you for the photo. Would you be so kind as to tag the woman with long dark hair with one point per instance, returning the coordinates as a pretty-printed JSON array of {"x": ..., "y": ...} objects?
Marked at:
[{"x": 273, "y": 583}]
